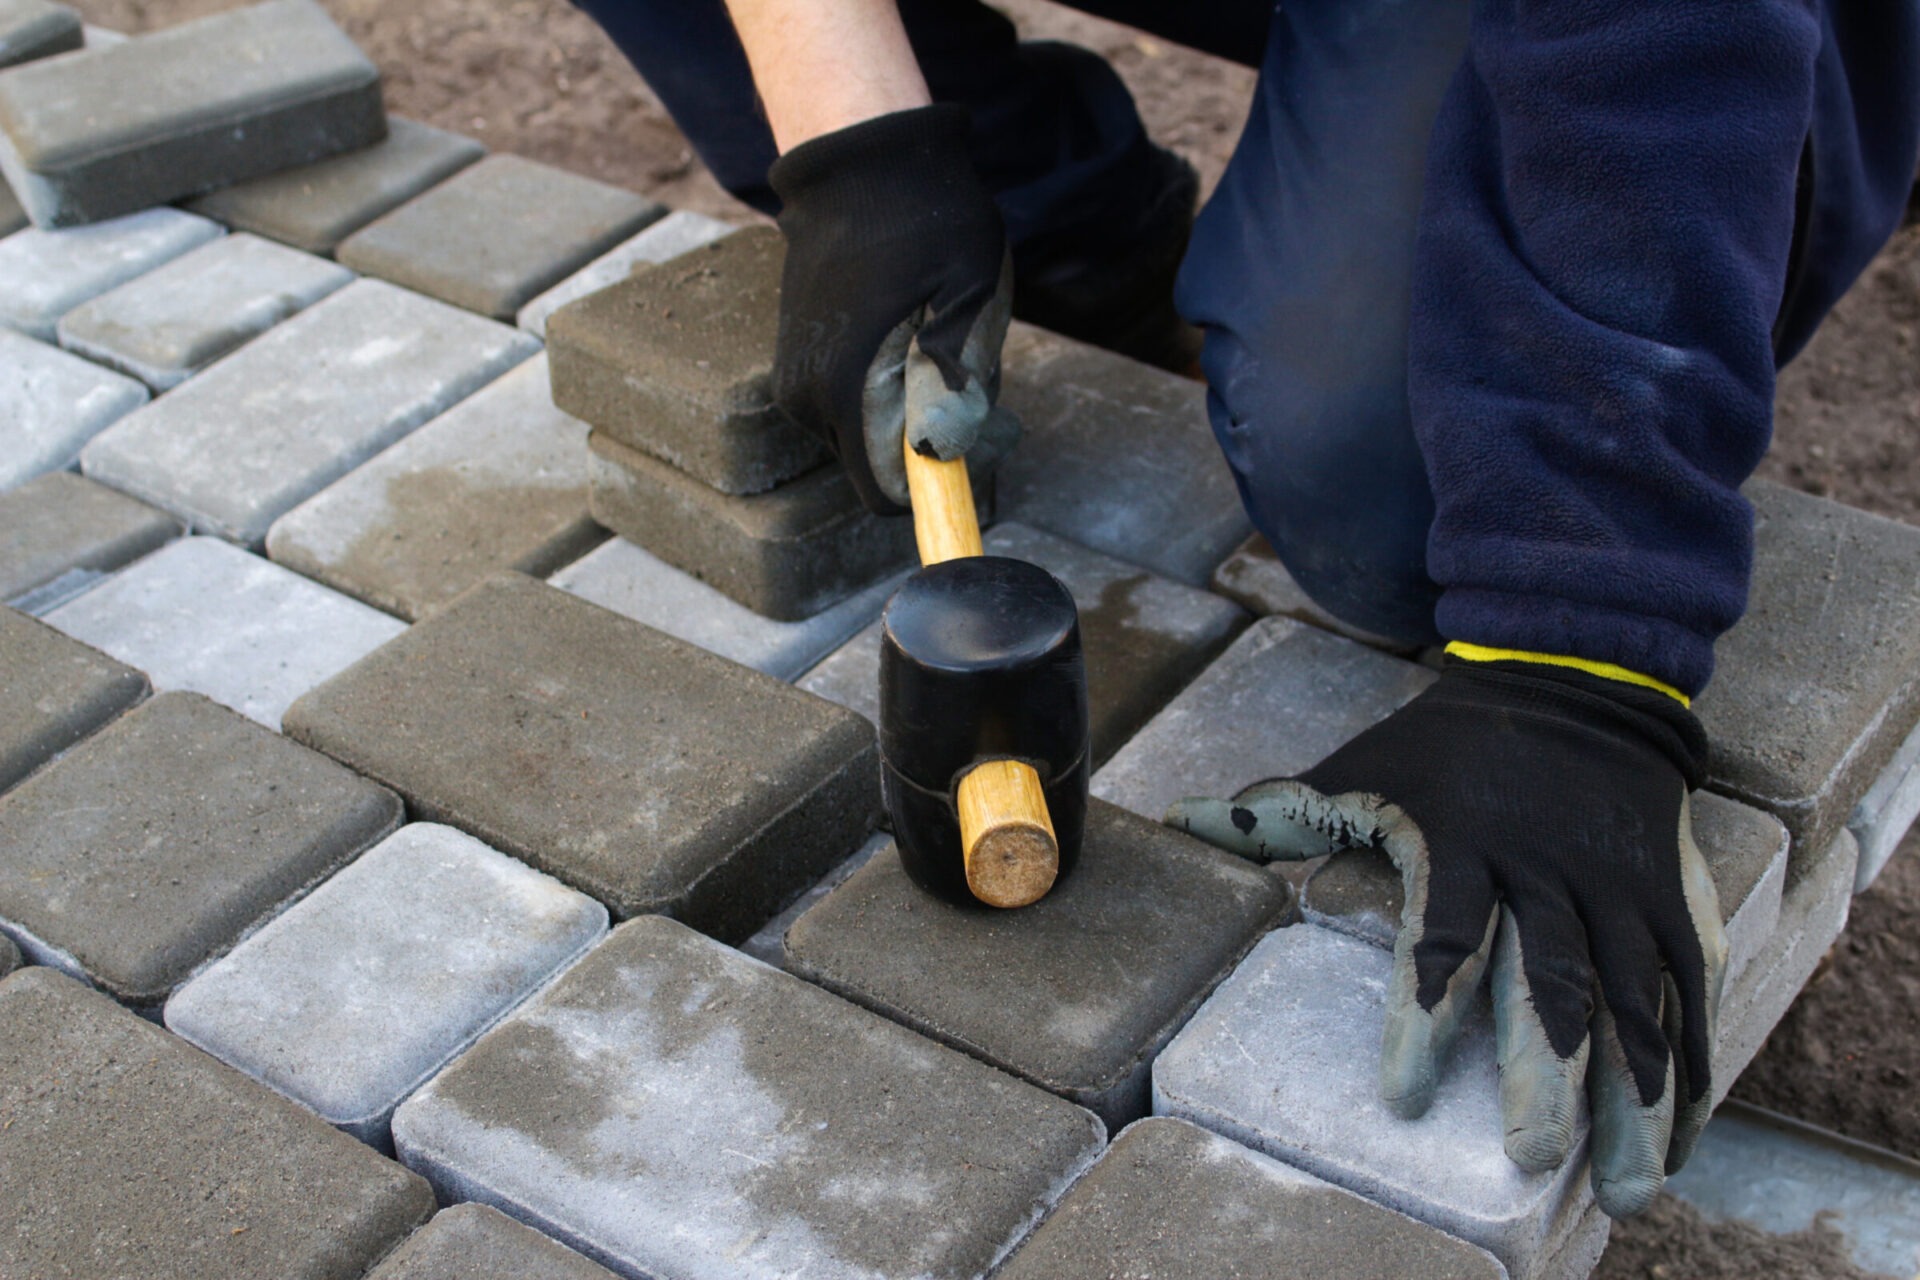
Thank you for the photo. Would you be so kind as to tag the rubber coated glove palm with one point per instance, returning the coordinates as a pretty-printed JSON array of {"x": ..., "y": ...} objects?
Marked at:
[
  {"x": 1539, "y": 820},
  {"x": 891, "y": 238}
]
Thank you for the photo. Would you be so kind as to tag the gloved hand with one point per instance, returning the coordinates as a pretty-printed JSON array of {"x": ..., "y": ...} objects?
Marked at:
[
  {"x": 1538, "y": 815},
  {"x": 890, "y": 237}
]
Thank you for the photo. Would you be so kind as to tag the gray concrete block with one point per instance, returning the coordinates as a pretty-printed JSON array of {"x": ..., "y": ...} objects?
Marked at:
[
  {"x": 499, "y": 481},
  {"x": 167, "y": 325},
  {"x": 638, "y": 768},
  {"x": 497, "y": 233},
  {"x": 1279, "y": 700},
  {"x": 316, "y": 206},
  {"x": 214, "y": 825},
  {"x": 671, "y": 1107},
  {"x": 356, "y": 995},
  {"x": 1118, "y": 456},
  {"x": 636, "y": 584},
  {"x": 1285, "y": 1058},
  {"x": 57, "y": 691},
  {"x": 238, "y": 447},
  {"x": 1884, "y": 815},
  {"x": 32, "y": 29},
  {"x": 60, "y": 534},
  {"x": 1819, "y": 684},
  {"x": 51, "y": 404},
  {"x": 45, "y": 274},
  {"x": 9, "y": 956},
  {"x": 1169, "y": 1200},
  {"x": 101, "y": 37},
  {"x": 472, "y": 1241},
  {"x": 12, "y": 216},
  {"x": 1254, "y": 578},
  {"x": 1038, "y": 992},
  {"x": 209, "y": 618},
  {"x": 210, "y": 102},
  {"x": 768, "y": 945},
  {"x": 676, "y": 361},
  {"x": 128, "y": 1153},
  {"x": 673, "y": 235}
]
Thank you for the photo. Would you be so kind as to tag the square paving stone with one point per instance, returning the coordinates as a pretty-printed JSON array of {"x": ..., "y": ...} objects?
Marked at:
[
  {"x": 1118, "y": 456},
  {"x": 238, "y": 447},
  {"x": 1885, "y": 814},
  {"x": 45, "y": 274},
  {"x": 167, "y": 325},
  {"x": 671, "y": 1107},
  {"x": 146, "y": 121},
  {"x": 673, "y": 235},
  {"x": 204, "y": 616},
  {"x": 1043, "y": 992},
  {"x": 1170, "y": 1201},
  {"x": 477, "y": 1242},
  {"x": 676, "y": 361},
  {"x": 634, "y": 766},
  {"x": 59, "y": 534},
  {"x": 499, "y": 481},
  {"x": 32, "y": 29},
  {"x": 125, "y": 1152},
  {"x": 1254, "y": 578},
  {"x": 358, "y": 993},
  {"x": 316, "y": 206},
  {"x": 213, "y": 825},
  {"x": 51, "y": 404},
  {"x": 55, "y": 691},
  {"x": 497, "y": 233}
]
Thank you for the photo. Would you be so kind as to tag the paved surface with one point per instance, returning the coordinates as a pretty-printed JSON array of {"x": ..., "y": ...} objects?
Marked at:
[
  {"x": 50, "y": 273},
  {"x": 470, "y": 1241},
  {"x": 60, "y": 534},
  {"x": 56, "y": 692}
]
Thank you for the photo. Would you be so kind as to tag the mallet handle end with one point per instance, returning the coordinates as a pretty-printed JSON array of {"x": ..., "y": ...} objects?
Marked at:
[{"x": 1011, "y": 851}]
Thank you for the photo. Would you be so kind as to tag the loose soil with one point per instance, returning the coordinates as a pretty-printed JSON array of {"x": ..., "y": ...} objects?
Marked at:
[{"x": 536, "y": 77}]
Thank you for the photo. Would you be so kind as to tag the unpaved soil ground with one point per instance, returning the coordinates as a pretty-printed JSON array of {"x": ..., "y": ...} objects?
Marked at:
[{"x": 536, "y": 77}]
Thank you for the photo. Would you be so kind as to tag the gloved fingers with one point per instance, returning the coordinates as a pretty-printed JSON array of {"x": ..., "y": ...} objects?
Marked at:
[
  {"x": 942, "y": 421},
  {"x": 966, "y": 325},
  {"x": 1540, "y": 1086},
  {"x": 1692, "y": 1096},
  {"x": 1280, "y": 818},
  {"x": 883, "y": 412},
  {"x": 1423, "y": 1018},
  {"x": 1696, "y": 969},
  {"x": 1630, "y": 1133}
]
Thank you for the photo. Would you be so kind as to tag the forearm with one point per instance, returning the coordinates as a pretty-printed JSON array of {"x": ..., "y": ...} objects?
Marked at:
[{"x": 821, "y": 65}]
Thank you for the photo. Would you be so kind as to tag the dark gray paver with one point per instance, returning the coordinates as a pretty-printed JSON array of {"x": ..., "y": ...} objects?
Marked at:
[
  {"x": 316, "y": 206},
  {"x": 677, "y": 362},
  {"x": 297, "y": 408},
  {"x": 167, "y": 325},
  {"x": 217, "y": 100},
  {"x": 51, "y": 404},
  {"x": 12, "y": 216},
  {"x": 32, "y": 29},
  {"x": 53, "y": 692},
  {"x": 769, "y": 943},
  {"x": 1075, "y": 993},
  {"x": 1117, "y": 456},
  {"x": 673, "y": 235},
  {"x": 497, "y": 233},
  {"x": 478, "y": 1242},
  {"x": 636, "y": 767},
  {"x": 9, "y": 956},
  {"x": 45, "y": 274},
  {"x": 1170, "y": 1201},
  {"x": 672, "y": 1107},
  {"x": 60, "y": 533},
  {"x": 1882, "y": 818},
  {"x": 126, "y": 1152},
  {"x": 157, "y": 843},
  {"x": 499, "y": 481},
  {"x": 1254, "y": 578}
]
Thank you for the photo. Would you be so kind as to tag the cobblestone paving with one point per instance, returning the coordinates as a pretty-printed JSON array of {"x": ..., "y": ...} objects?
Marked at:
[{"x": 387, "y": 926}]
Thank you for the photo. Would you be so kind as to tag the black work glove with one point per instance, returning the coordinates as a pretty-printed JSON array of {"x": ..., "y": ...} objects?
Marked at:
[
  {"x": 891, "y": 237},
  {"x": 1538, "y": 815}
]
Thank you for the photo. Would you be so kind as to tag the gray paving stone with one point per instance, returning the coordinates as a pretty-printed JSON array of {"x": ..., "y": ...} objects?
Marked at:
[
  {"x": 207, "y": 617},
  {"x": 632, "y": 582},
  {"x": 497, "y": 233},
  {"x": 167, "y": 325},
  {"x": 214, "y": 825},
  {"x": 128, "y": 1153},
  {"x": 1039, "y": 992},
  {"x": 1285, "y": 1058},
  {"x": 1819, "y": 684},
  {"x": 316, "y": 206},
  {"x": 1254, "y": 578},
  {"x": 671, "y": 1107},
  {"x": 56, "y": 692},
  {"x": 60, "y": 534},
  {"x": 357, "y": 994},
  {"x": 210, "y": 102},
  {"x": 1884, "y": 815},
  {"x": 637, "y": 768},
  {"x": 1279, "y": 700},
  {"x": 51, "y": 404},
  {"x": 238, "y": 447},
  {"x": 32, "y": 29},
  {"x": 676, "y": 361},
  {"x": 9, "y": 956},
  {"x": 499, "y": 481},
  {"x": 673, "y": 235},
  {"x": 1118, "y": 456},
  {"x": 12, "y": 216},
  {"x": 1170, "y": 1201},
  {"x": 45, "y": 274},
  {"x": 769, "y": 944},
  {"x": 101, "y": 37},
  {"x": 475, "y": 1241}
]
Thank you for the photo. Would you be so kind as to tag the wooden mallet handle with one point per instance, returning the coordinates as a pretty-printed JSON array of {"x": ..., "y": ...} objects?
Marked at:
[{"x": 1011, "y": 851}]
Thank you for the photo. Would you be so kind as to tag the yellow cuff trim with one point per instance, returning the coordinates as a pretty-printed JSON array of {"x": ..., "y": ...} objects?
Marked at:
[{"x": 1606, "y": 670}]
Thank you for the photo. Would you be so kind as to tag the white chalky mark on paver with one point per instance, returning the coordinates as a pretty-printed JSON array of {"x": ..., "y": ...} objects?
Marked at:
[
  {"x": 49, "y": 273},
  {"x": 51, "y": 404}
]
